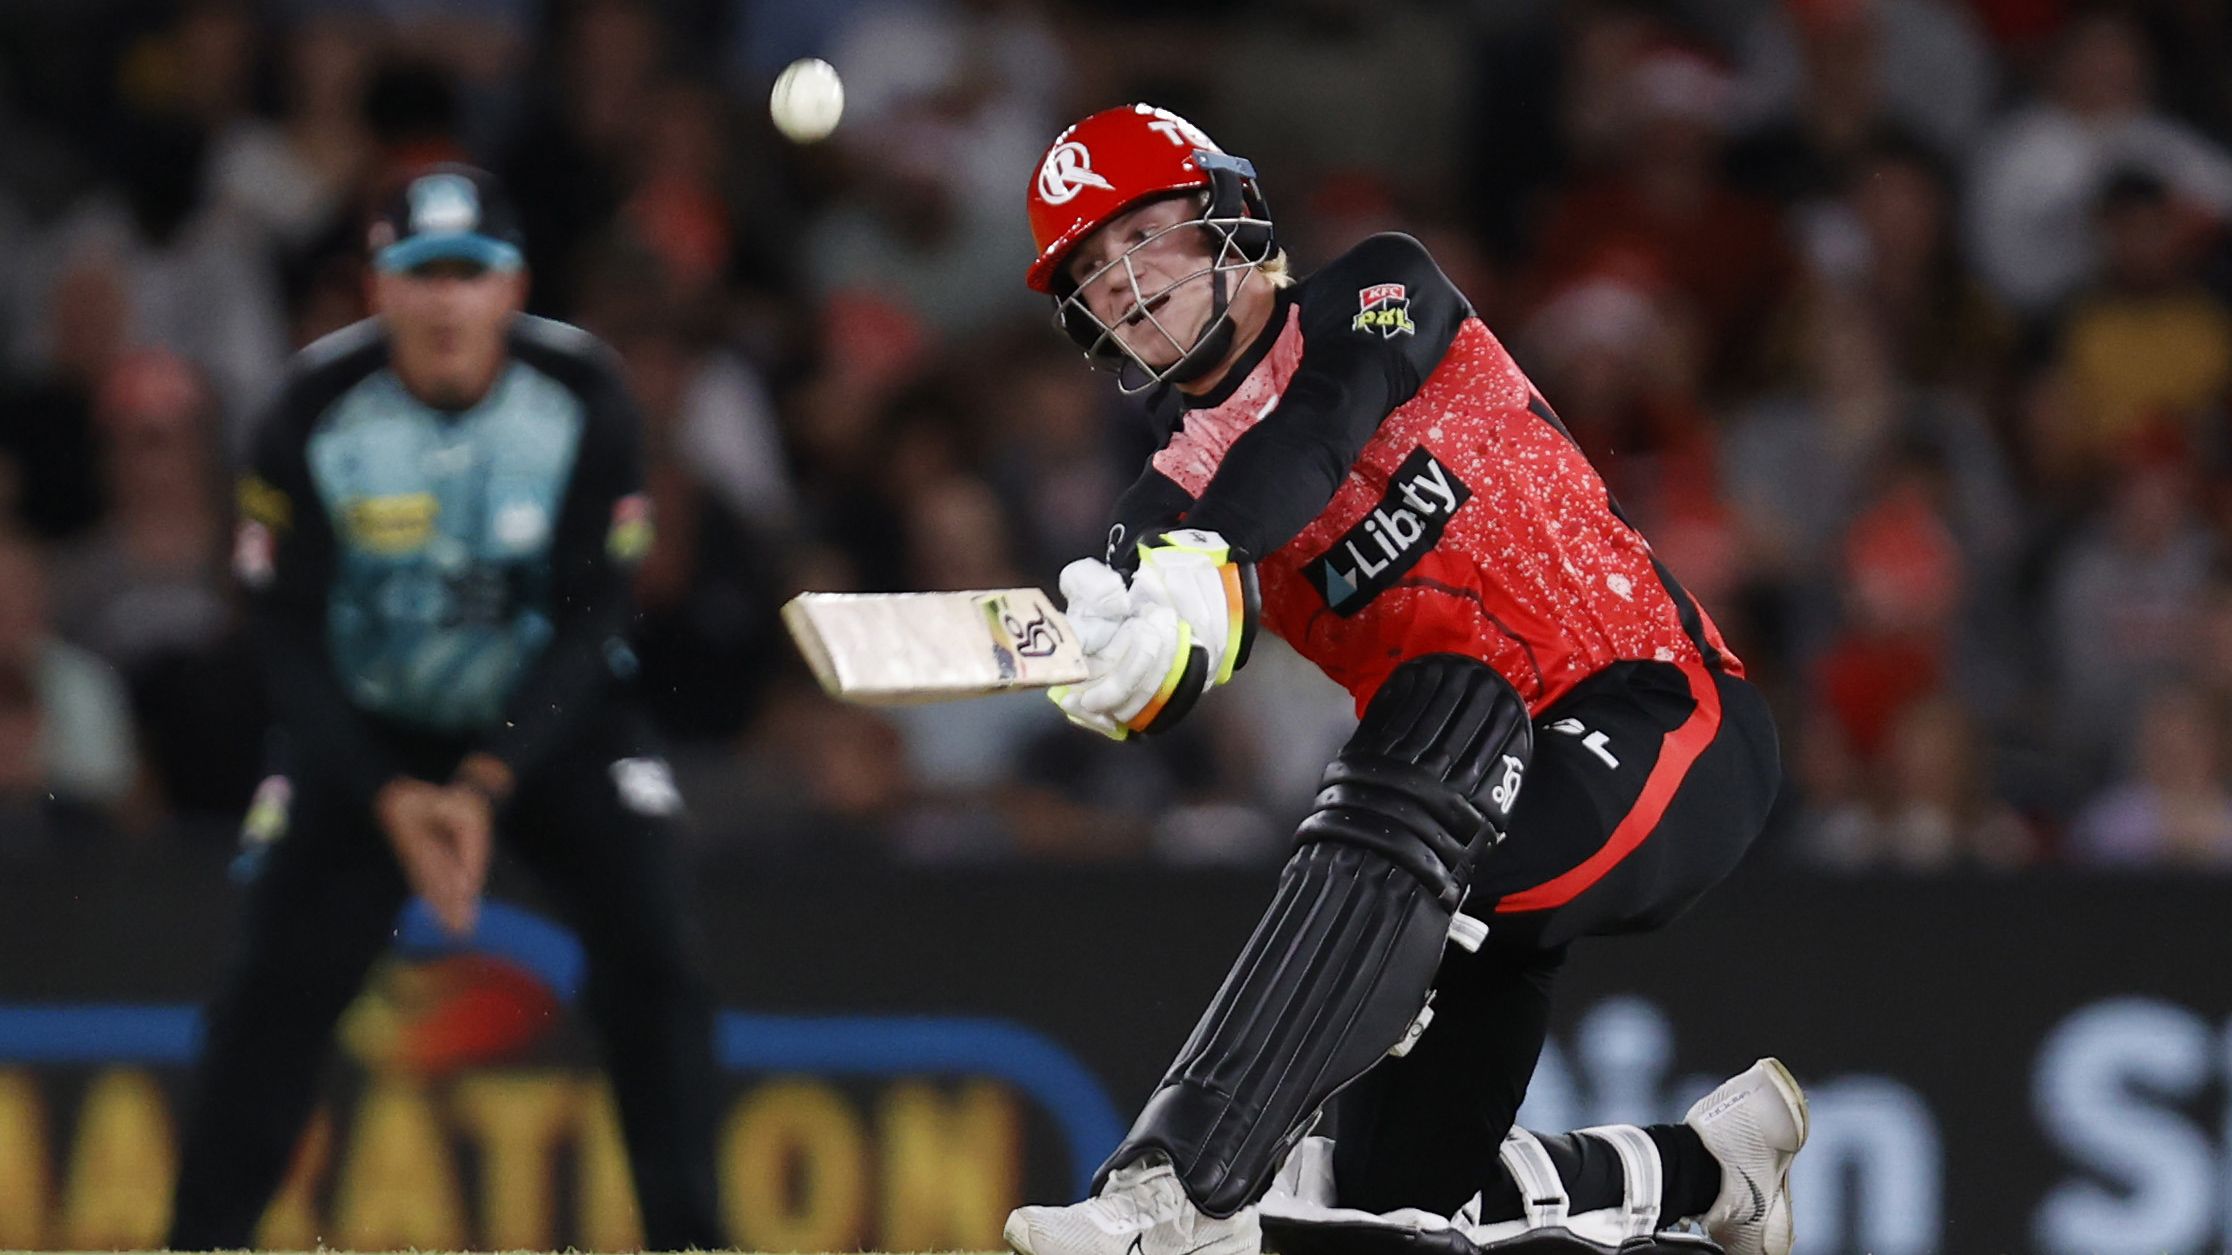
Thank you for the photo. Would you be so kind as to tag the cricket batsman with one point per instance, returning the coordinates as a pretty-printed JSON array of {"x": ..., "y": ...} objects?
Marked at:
[
  {"x": 438, "y": 533},
  {"x": 1554, "y": 740}
]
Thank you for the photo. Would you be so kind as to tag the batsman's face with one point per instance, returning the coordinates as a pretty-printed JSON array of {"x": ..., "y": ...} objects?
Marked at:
[
  {"x": 446, "y": 323},
  {"x": 1147, "y": 274}
]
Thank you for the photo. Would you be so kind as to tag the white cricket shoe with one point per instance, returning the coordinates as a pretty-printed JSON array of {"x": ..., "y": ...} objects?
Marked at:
[
  {"x": 1143, "y": 1210},
  {"x": 1754, "y": 1124}
]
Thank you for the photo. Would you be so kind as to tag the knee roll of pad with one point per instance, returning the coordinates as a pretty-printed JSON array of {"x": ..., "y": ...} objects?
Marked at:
[
  {"x": 1431, "y": 776},
  {"x": 1401, "y": 813},
  {"x": 1448, "y": 713}
]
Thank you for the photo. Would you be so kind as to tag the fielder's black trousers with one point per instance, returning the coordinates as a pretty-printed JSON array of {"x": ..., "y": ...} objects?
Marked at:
[
  {"x": 321, "y": 911},
  {"x": 1649, "y": 782}
]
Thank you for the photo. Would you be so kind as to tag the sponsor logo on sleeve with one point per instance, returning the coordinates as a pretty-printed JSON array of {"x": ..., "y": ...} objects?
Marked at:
[
  {"x": 629, "y": 538},
  {"x": 1392, "y": 535},
  {"x": 402, "y": 523},
  {"x": 259, "y": 502},
  {"x": 1384, "y": 308}
]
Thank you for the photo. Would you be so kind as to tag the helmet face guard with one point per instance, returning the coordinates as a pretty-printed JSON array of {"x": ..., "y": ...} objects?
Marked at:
[{"x": 1239, "y": 231}]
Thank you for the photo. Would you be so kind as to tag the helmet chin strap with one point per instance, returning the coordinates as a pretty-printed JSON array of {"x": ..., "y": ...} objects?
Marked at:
[{"x": 1214, "y": 343}]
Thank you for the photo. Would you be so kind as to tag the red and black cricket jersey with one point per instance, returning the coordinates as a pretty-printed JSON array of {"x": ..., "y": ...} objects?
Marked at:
[{"x": 1406, "y": 491}]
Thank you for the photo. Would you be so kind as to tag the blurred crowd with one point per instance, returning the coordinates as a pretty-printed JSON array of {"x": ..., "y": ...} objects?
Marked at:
[{"x": 1902, "y": 327}]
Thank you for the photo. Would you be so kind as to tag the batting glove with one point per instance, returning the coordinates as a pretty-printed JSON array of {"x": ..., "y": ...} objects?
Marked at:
[
  {"x": 1142, "y": 667},
  {"x": 1210, "y": 586}
]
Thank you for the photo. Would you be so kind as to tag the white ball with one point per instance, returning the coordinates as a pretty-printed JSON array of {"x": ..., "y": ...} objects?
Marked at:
[{"x": 808, "y": 99}]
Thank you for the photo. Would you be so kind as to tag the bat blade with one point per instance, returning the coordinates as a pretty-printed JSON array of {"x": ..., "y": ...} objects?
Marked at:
[{"x": 889, "y": 649}]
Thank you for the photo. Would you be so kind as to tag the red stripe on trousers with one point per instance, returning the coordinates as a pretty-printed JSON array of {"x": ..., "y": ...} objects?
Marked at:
[{"x": 1677, "y": 752}]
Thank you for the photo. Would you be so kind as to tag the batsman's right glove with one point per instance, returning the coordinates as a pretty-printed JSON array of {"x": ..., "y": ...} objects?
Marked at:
[{"x": 1181, "y": 628}]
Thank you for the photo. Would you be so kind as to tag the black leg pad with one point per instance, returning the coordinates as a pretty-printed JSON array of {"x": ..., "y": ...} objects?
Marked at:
[{"x": 1343, "y": 962}]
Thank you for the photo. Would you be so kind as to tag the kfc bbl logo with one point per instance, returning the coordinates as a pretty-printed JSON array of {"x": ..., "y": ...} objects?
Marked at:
[{"x": 1383, "y": 307}]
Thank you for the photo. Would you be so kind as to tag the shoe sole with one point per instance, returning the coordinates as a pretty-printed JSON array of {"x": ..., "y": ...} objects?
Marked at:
[{"x": 1237, "y": 1244}]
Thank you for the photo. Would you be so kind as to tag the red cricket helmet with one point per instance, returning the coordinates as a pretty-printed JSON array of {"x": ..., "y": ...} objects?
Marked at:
[{"x": 1117, "y": 159}]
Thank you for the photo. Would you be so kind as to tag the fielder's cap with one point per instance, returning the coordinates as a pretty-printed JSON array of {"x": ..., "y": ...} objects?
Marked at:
[{"x": 447, "y": 213}]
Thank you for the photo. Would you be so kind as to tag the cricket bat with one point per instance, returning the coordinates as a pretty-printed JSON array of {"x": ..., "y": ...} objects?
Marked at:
[{"x": 892, "y": 649}]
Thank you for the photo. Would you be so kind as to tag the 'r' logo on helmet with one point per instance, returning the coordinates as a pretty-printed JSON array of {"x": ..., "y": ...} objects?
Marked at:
[{"x": 1068, "y": 171}]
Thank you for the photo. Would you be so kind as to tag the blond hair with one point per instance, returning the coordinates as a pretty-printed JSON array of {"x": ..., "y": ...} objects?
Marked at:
[{"x": 1276, "y": 270}]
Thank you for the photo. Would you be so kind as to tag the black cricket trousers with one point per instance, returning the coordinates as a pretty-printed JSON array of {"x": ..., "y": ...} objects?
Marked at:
[
  {"x": 1649, "y": 782},
  {"x": 320, "y": 912}
]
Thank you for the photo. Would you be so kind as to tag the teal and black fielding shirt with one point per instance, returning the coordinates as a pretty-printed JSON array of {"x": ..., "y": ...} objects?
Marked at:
[{"x": 461, "y": 576}]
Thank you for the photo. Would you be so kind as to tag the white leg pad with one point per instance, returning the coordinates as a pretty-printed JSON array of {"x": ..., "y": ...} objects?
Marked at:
[
  {"x": 1642, "y": 1173},
  {"x": 1540, "y": 1190},
  {"x": 1303, "y": 1192}
]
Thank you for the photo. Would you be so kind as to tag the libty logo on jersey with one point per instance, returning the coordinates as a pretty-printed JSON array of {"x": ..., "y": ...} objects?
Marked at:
[
  {"x": 1385, "y": 308},
  {"x": 1389, "y": 540}
]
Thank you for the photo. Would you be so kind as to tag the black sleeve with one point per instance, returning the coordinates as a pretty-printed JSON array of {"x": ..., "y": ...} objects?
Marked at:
[
  {"x": 286, "y": 556},
  {"x": 1375, "y": 324},
  {"x": 603, "y": 530},
  {"x": 1153, "y": 501}
]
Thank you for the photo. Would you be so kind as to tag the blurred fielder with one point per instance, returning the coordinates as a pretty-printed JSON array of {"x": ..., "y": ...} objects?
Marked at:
[
  {"x": 438, "y": 530},
  {"x": 1554, "y": 741}
]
